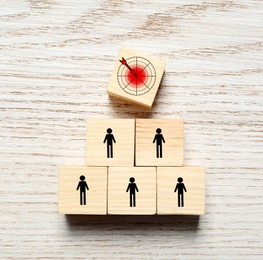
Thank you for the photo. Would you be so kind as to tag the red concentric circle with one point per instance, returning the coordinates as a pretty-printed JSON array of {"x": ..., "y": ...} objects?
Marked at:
[{"x": 137, "y": 76}]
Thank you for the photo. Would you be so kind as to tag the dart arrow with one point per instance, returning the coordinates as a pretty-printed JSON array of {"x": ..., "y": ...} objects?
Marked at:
[{"x": 124, "y": 62}]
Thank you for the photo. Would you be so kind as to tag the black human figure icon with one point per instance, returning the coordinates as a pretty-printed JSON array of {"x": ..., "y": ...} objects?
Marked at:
[
  {"x": 159, "y": 143},
  {"x": 133, "y": 188},
  {"x": 109, "y": 137},
  {"x": 82, "y": 186},
  {"x": 180, "y": 188}
]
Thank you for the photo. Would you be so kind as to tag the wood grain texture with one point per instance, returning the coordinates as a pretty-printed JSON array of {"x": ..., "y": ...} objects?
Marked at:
[{"x": 55, "y": 64}]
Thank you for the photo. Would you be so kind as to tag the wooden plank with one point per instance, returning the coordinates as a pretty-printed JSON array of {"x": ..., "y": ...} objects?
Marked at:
[
  {"x": 56, "y": 61},
  {"x": 82, "y": 190},
  {"x": 136, "y": 77},
  {"x": 180, "y": 190}
]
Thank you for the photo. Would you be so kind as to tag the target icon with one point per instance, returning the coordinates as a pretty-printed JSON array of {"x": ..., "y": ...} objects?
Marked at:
[{"x": 136, "y": 75}]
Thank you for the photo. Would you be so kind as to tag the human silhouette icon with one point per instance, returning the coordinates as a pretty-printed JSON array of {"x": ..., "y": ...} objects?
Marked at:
[
  {"x": 159, "y": 140},
  {"x": 132, "y": 187},
  {"x": 109, "y": 137},
  {"x": 82, "y": 186},
  {"x": 180, "y": 188}
]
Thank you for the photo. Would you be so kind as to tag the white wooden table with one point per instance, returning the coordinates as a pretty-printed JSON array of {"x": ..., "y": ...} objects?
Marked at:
[{"x": 56, "y": 58}]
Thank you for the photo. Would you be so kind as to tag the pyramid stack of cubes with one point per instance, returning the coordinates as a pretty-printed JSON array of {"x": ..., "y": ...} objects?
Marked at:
[{"x": 133, "y": 167}]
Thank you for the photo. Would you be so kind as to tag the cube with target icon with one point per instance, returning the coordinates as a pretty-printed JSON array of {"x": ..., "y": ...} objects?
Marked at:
[{"x": 136, "y": 77}]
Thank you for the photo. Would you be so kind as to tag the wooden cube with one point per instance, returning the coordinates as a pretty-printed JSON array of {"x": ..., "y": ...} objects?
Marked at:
[
  {"x": 181, "y": 190},
  {"x": 82, "y": 190},
  {"x": 159, "y": 142},
  {"x": 110, "y": 142},
  {"x": 136, "y": 77},
  {"x": 132, "y": 190}
]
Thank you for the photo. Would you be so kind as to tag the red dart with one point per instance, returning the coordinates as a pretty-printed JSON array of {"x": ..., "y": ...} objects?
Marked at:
[{"x": 124, "y": 62}]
